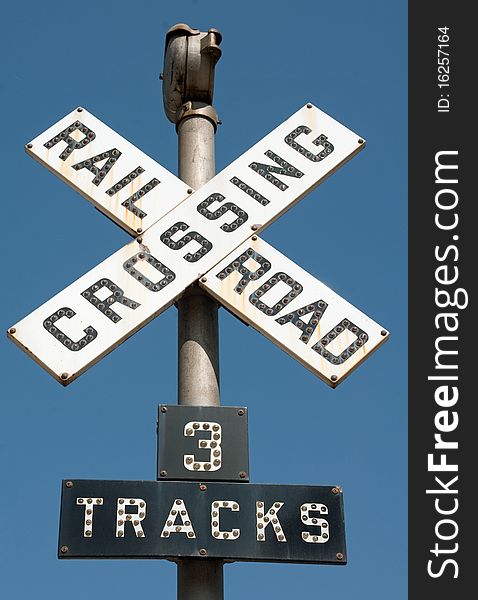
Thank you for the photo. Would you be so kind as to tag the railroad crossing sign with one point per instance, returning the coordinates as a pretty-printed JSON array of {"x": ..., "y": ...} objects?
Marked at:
[{"x": 209, "y": 234}]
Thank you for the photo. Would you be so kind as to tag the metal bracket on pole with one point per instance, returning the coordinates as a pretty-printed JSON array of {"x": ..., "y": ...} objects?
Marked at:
[{"x": 197, "y": 109}]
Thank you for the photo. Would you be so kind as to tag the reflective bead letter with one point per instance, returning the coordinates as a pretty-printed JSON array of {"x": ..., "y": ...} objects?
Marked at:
[
  {"x": 350, "y": 348},
  {"x": 250, "y": 191},
  {"x": 263, "y": 520},
  {"x": 129, "y": 203},
  {"x": 72, "y": 144},
  {"x": 215, "y": 515},
  {"x": 284, "y": 168},
  {"x": 89, "y": 504},
  {"x": 122, "y": 515},
  {"x": 104, "y": 306},
  {"x": 307, "y": 328},
  {"x": 296, "y": 289},
  {"x": 203, "y": 209},
  {"x": 246, "y": 274},
  {"x": 129, "y": 267},
  {"x": 312, "y": 538},
  {"x": 327, "y": 147},
  {"x": 213, "y": 444},
  {"x": 108, "y": 158},
  {"x": 192, "y": 236},
  {"x": 49, "y": 325},
  {"x": 178, "y": 510}
]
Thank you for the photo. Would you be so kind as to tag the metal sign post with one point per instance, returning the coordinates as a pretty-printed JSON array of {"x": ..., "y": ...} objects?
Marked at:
[{"x": 188, "y": 84}]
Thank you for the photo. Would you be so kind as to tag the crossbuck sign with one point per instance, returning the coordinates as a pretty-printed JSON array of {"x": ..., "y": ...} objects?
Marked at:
[{"x": 208, "y": 235}]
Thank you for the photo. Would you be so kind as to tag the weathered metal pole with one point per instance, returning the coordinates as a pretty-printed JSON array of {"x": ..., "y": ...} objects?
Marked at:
[
  {"x": 188, "y": 80},
  {"x": 198, "y": 345}
]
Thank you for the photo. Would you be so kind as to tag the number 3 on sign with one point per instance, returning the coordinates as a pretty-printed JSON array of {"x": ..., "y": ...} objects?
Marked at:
[{"x": 213, "y": 444}]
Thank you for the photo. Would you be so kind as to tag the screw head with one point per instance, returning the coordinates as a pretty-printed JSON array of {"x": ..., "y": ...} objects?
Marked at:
[
  {"x": 139, "y": 240},
  {"x": 335, "y": 490},
  {"x": 202, "y": 487},
  {"x": 64, "y": 376},
  {"x": 339, "y": 556},
  {"x": 333, "y": 378},
  {"x": 29, "y": 146},
  {"x": 241, "y": 412},
  {"x": 242, "y": 474},
  {"x": 164, "y": 409},
  {"x": 163, "y": 473},
  {"x": 309, "y": 105},
  {"x": 12, "y": 330},
  {"x": 190, "y": 191},
  {"x": 203, "y": 551},
  {"x": 69, "y": 484},
  {"x": 139, "y": 230},
  {"x": 254, "y": 238},
  {"x": 79, "y": 109},
  {"x": 254, "y": 227},
  {"x": 383, "y": 332},
  {"x": 203, "y": 279},
  {"x": 64, "y": 549},
  {"x": 360, "y": 141}
]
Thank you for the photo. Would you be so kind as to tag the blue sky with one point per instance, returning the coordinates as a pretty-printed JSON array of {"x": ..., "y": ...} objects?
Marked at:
[{"x": 349, "y": 59}]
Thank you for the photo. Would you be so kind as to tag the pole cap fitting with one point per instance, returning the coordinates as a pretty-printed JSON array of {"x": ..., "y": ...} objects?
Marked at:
[{"x": 190, "y": 57}]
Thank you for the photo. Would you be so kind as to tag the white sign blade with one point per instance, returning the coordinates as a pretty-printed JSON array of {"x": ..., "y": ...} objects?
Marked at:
[
  {"x": 96, "y": 313},
  {"x": 273, "y": 175},
  {"x": 120, "y": 180},
  {"x": 185, "y": 244},
  {"x": 297, "y": 312}
]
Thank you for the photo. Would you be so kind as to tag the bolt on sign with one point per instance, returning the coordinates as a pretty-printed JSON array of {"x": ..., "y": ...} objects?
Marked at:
[{"x": 187, "y": 238}]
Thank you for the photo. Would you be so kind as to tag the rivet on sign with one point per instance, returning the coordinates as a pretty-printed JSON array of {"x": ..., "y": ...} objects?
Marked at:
[
  {"x": 255, "y": 227},
  {"x": 334, "y": 378},
  {"x": 339, "y": 556},
  {"x": 29, "y": 146},
  {"x": 240, "y": 412},
  {"x": 204, "y": 279},
  {"x": 190, "y": 191},
  {"x": 164, "y": 409},
  {"x": 242, "y": 474},
  {"x": 64, "y": 376},
  {"x": 360, "y": 141},
  {"x": 139, "y": 230},
  {"x": 335, "y": 490},
  {"x": 163, "y": 473},
  {"x": 139, "y": 240},
  {"x": 383, "y": 332},
  {"x": 309, "y": 105},
  {"x": 69, "y": 484},
  {"x": 12, "y": 330},
  {"x": 203, "y": 551},
  {"x": 254, "y": 238},
  {"x": 64, "y": 549},
  {"x": 202, "y": 487},
  {"x": 79, "y": 109}
]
